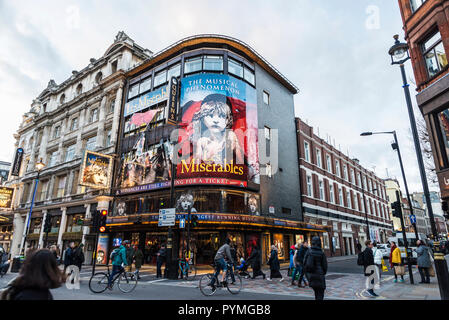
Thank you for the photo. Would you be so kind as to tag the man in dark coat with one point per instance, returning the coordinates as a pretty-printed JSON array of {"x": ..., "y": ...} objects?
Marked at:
[
  {"x": 256, "y": 262},
  {"x": 315, "y": 265},
  {"x": 69, "y": 255},
  {"x": 161, "y": 256},
  {"x": 78, "y": 256},
  {"x": 368, "y": 260}
]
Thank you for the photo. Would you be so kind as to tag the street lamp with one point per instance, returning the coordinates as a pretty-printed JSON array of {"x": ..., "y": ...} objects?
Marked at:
[
  {"x": 399, "y": 55},
  {"x": 39, "y": 166}
]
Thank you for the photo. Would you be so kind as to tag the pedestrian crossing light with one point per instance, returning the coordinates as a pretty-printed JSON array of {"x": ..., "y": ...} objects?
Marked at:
[
  {"x": 397, "y": 209},
  {"x": 47, "y": 223},
  {"x": 194, "y": 220}
]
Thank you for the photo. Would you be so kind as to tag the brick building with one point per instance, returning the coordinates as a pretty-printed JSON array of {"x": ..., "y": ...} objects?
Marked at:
[
  {"x": 426, "y": 26},
  {"x": 332, "y": 195}
]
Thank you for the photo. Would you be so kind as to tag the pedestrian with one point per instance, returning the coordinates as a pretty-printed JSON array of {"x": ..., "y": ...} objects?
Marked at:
[
  {"x": 423, "y": 261},
  {"x": 118, "y": 257},
  {"x": 38, "y": 274},
  {"x": 395, "y": 260},
  {"x": 68, "y": 257},
  {"x": 368, "y": 260},
  {"x": 359, "y": 246},
  {"x": 256, "y": 262},
  {"x": 377, "y": 258},
  {"x": 54, "y": 250},
  {"x": 78, "y": 256},
  {"x": 234, "y": 255},
  {"x": 4, "y": 263},
  {"x": 160, "y": 260},
  {"x": 138, "y": 260},
  {"x": 275, "y": 267},
  {"x": 315, "y": 266},
  {"x": 129, "y": 254},
  {"x": 292, "y": 252},
  {"x": 299, "y": 264}
]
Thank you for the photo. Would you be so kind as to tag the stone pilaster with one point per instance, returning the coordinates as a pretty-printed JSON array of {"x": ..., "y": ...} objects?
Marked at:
[
  {"x": 64, "y": 129},
  {"x": 79, "y": 141},
  {"x": 100, "y": 130},
  {"x": 41, "y": 236},
  {"x": 43, "y": 146},
  {"x": 18, "y": 225},
  {"x": 85, "y": 228},
  {"x": 115, "y": 121},
  {"x": 62, "y": 225}
]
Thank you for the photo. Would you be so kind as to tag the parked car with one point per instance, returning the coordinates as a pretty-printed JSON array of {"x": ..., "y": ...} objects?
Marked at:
[{"x": 385, "y": 249}]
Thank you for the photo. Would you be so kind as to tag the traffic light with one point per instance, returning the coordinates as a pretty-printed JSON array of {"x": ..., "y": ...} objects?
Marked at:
[
  {"x": 194, "y": 220},
  {"x": 397, "y": 209},
  {"x": 95, "y": 220},
  {"x": 102, "y": 220},
  {"x": 47, "y": 223}
]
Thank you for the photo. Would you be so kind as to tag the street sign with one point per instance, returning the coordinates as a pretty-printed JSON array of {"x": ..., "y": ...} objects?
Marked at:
[
  {"x": 182, "y": 223},
  {"x": 412, "y": 218},
  {"x": 167, "y": 217}
]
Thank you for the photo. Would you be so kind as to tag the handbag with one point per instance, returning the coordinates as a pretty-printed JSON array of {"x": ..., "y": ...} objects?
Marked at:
[
  {"x": 384, "y": 267},
  {"x": 431, "y": 271},
  {"x": 400, "y": 270}
]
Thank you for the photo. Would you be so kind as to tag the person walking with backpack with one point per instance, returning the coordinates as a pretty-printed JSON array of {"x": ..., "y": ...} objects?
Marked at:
[
  {"x": 119, "y": 260},
  {"x": 368, "y": 260},
  {"x": 423, "y": 261},
  {"x": 315, "y": 267},
  {"x": 395, "y": 260},
  {"x": 273, "y": 262},
  {"x": 129, "y": 254},
  {"x": 256, "y": 262},
  {"x": 160, "y": 260},
  {"x": 78, "y": 256}
]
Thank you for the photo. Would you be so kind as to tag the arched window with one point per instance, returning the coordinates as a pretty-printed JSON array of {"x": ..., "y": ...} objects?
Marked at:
[
  {"x": 62, "y": 99},
  {"x": 98, "y": 77},
  {"x": 79, "y": 89}
]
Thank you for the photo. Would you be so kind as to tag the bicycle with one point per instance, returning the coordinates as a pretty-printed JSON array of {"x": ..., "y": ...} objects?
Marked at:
[
  {"x": 127, "y": 281},
  {"x": 233, "y": 282},
  {"x": 187, "y": 269}
]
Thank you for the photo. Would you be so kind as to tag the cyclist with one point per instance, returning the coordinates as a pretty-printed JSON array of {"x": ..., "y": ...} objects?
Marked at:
[
  {"x": 224, "y": 252},
  {"x": 118, "y": 257}
]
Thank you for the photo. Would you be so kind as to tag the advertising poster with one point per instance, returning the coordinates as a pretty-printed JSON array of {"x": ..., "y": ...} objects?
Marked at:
[
  {"x": 102, "y": 248},
  {"x": 221, "y": 113},
  {"x": 6, "y": 195},
  {"x": 96, "y": 170}
]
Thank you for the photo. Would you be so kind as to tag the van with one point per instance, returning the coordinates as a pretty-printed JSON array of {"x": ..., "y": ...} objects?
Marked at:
[{"x": 411, "y": 239}]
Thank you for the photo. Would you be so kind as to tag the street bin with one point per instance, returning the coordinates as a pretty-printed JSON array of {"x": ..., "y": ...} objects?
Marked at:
[
  {"x": 16, "y": 264},
  {"x": 172, "y": 272}
]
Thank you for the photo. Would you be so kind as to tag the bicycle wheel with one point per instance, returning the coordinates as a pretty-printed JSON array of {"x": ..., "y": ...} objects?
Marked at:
[
  {"x": 234, "y": 285},
  {"x": 205, "y": 288},
  {"x": 98, "y": 283},
  {"x": 127, "y": 281},
  {"x": 191, "y": 272}
]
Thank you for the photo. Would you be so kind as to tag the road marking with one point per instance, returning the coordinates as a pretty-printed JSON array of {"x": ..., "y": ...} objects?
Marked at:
[{"x": 158, "y": 280}]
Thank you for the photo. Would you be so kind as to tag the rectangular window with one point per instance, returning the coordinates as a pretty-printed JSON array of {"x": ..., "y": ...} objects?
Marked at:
[
  {"x": 145, "y": 85},
  {"x": 359, "y": 180},
  {"x": 370, "y": 186},
  {"x": 362, "y": 201},
  {"x": 235, "y": 68},
  {"x": 337, "y": 168},
  {"x": 90, "y": 143},
  {"x": 70, "y": 153},
  {"x": 53, "y": 158},
  {"x": 57, "y": 132},
  {"x": 318, "y": 158},
  {"x": 286, "y": 210},
  {"x": 434, "y": 54},
  {"x": 325, "y": 240},
  {"x": 306, "y": 151},
  {"x": 320, "y": 185},
  {"x": 74, "y": 124},
  {"x": 42, "y": 191},
  {"x": 174, "y": 71},
  {"x": 345, "y": 172},
  {"x": 364, "y": 182},
  {"x": 108, "y": 140},
  {"x": 356, "y": 203},
  {"x": 266, "y": 97},
  {"x": 415, "y": 4},
  {"x": 328, "y": 163},
  {"x": 309, "y": 186},
  {"x": 340, "y": 197},
  {"x": 348, "y": 199},
  {"x": 160, "y": 78},
  {"x": 352, "y": 176},
  {"x": 60, "y": 186},
  {"x": 331, "y": 191},
  {"x": 213, "y": 63},
  {"x": 75, "y": 182},
  {"x": 193, "y": 65},
  {"x": 248, "y": 75},
  {"x": 93, "y": 115},
  {"x": 133, "y": 91}
]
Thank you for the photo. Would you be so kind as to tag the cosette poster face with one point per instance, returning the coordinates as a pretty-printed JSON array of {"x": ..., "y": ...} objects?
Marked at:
[{"x": 221, "y": 113}]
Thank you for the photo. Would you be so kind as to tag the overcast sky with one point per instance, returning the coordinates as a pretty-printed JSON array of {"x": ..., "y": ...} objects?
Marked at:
[{"x": 334, "y": 51}]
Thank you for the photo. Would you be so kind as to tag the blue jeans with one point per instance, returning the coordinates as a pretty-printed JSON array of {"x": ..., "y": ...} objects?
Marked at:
[
  {"x": 115, "y": 270},
  {"x": 220, "y": 264},
  {"x": 298, "y": 270}
]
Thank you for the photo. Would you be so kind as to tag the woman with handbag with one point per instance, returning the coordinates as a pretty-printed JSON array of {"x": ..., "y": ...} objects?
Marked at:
[{"x": 395, "y": 261}]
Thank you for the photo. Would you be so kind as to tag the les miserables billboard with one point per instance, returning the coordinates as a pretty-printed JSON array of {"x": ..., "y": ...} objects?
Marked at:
[{"x": 220, "y": 113}]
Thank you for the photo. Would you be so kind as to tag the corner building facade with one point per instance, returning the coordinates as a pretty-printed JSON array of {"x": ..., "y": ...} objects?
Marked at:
[{"x": 238, "y": 163}]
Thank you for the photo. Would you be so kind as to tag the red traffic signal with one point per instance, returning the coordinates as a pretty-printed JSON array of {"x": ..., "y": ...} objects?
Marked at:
[
  {"x": 102, "y": 229},
  {"x": 104, "y": 212}
]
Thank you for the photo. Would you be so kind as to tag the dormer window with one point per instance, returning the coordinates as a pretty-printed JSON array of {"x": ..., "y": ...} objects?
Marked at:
[
  {"x": 62, "y": 99},
  {"x": 114, "y": 66},
  {"x": 79, "y": 89}
]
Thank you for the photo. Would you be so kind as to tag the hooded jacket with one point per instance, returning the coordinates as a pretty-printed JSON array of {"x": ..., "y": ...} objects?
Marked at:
[{"x": 315, "y": 264}]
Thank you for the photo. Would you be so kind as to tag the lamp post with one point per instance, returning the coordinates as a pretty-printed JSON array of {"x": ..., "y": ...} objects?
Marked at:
[
  {"x": 395, "y": 146},
  {"x": 399, "y": 55},
  {"x": 39, "y": 166}
]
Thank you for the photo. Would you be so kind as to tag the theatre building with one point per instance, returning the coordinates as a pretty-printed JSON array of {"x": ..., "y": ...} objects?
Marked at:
[
  {"x": 336, "y": 191},
  {"x": 235, "y": 152}
]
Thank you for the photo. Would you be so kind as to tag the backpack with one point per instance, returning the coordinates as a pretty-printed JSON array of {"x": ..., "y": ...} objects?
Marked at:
[
  {"x": 361, "y": 259},
  {"x": 309, "y": 263},
  {"x": 114, "y": 253}
]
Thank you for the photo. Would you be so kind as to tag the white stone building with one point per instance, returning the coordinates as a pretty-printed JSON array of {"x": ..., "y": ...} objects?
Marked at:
[{"x": 82, "y": 113}]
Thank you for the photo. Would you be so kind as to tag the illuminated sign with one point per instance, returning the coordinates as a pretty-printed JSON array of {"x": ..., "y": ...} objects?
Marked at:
[
  {"x": 17, "y": 162},
  {"x": 173, "y": 100},
  {"x": 6, "y": 195},
  {"x": 145, "y": 101},
  {"x": 96, "y": 170}
]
